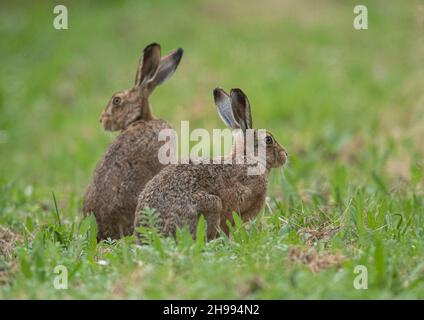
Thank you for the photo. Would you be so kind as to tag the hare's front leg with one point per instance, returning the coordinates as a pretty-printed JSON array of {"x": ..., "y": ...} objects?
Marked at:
[
  {"x": 256, "y": 206},
  {"x": 210, "y": 206}
]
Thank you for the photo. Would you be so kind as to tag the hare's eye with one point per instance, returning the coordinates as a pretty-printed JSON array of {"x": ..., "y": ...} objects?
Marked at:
[
  {"x": 116, "y": 101},
  {"x": 268, "y": 140}
]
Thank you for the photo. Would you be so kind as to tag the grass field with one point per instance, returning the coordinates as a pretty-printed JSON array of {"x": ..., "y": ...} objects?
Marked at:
[{"x": 348, "y": 105}]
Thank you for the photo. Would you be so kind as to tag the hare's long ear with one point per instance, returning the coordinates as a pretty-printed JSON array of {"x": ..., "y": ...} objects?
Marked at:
[
  {"x": 223, "y": 104},
  {"x": 241, "y": 109},
  {"x": 148, "y": 65},
  {"x": 167, "y": 66}
]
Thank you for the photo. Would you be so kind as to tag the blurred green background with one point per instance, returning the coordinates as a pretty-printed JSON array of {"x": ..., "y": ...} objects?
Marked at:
[{"x": 348, "y": 105}]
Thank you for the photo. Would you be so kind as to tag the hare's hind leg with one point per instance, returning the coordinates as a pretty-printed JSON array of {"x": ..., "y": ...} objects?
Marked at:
[{"x": 211, "y": 207}]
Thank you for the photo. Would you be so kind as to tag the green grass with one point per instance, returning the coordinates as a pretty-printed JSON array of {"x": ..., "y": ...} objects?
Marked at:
[{"x": 348, "y": 105}]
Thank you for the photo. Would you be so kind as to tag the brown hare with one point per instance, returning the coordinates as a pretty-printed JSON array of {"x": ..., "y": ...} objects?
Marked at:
[
  {"x": 181, "y": 192},
  {"x": 132, "y": 158}
]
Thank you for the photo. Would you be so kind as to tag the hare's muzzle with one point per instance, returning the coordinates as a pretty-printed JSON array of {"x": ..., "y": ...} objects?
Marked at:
[
  {"x": 103, "y": 115},
  {"x": 282, "y": 156},
  {"x": 105, "y": 121}
]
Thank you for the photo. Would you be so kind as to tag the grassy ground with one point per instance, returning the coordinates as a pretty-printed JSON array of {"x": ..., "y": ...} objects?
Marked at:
[{"x": 348, "y": 105}]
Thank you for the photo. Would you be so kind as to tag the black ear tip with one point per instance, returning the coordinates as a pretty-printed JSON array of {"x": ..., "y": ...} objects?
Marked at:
[
  {"x": 237, "y": 91},
  {"x": 217, "y": 93},
  {"x": 151, "y": 46},
  {"x": 238, "y": 95},
  {"x": 178, "y": 55}
]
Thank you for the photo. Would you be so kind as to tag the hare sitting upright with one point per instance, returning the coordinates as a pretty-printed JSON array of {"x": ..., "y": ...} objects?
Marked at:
[
  {"x": 132, "y": 158},
  {"x": 181, "y": 192}
]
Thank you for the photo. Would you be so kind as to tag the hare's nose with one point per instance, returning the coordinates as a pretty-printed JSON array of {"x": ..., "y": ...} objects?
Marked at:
[{"x": 101, "y": 116}]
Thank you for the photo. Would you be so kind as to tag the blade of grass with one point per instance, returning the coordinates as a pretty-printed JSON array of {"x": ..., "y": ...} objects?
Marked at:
[{"x": 56, "y": 210}]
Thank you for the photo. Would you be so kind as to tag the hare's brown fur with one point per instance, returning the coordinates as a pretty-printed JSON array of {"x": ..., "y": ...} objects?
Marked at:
[
  {"x": 132, "y": 158},
  {"x": 130, "y": 161},
  {"x": 181, "y": 192}
]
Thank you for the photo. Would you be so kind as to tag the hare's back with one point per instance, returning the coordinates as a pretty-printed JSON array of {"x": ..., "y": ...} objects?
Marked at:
[{"x": 130, "y": 161}]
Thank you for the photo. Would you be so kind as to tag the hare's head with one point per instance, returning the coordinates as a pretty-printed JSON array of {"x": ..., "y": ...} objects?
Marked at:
[
  {"x": 130, "y": 105},
  {"x": 234, "y": 110}
]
